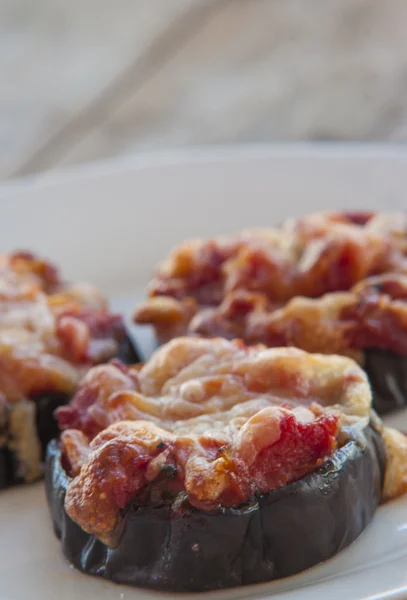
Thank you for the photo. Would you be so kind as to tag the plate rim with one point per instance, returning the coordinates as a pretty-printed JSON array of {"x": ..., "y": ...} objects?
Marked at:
[{"x": 210, "y": 154}]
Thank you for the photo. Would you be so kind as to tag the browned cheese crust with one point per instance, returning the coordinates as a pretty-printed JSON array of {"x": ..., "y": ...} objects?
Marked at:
[
  {"x": 210, "y": 421},
  {"x": 332, "y": 282},
  {"x": 51, "y": 333}
]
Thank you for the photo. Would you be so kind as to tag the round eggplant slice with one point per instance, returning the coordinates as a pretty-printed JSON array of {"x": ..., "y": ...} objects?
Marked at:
[
  {"x": 387, "y": 374},
  {"x": 8, "y": 467},
  {"x": 47, "y": 427},
  {"x": 45, "y": 424},
  {"x": 281, "y": 533}
]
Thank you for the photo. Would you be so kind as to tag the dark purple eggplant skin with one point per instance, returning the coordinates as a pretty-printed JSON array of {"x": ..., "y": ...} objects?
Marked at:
[
  {"x": 387, "y": 374},
  {"x": 8, "y": 468},
  {"x": 128, "y": 352},
  {"x": 47, "y": 427},
  {"x": 282, "y": 533}
]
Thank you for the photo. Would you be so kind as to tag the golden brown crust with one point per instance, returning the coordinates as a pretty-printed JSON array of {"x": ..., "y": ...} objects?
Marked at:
[
  {"x": 395, "y": 482},
  {"x": 232, "y": 286},
  {"x": 373, "y": 314},
  {"x": 191, "y": 378},
  {"x": 222, "y": 419},
  {"x": 27, "y": 269},
  {"x": 312, "y": 256},
  {"x": 272, "y": 448},
  {"x": 50, "y": 333}
]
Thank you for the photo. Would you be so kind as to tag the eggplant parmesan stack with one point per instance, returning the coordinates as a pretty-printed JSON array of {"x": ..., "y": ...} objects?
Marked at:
[
  {"x": 328, "y": 283},
  {"x": 51, "y": 333},
  {"x": 216, "y": 465}
]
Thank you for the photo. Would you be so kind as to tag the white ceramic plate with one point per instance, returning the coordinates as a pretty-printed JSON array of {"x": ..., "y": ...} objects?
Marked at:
[{"x": 110, "y": 224}]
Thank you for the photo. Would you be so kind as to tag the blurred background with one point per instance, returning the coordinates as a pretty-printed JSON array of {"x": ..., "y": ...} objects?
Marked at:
[{"x": 83, "y": 80}]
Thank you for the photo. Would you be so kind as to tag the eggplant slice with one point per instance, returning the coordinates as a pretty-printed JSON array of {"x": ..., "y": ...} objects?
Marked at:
[
  {"x": 8, "y": 467},
  {"x": 45, "y": 424},
  {"x": 281, "y": 533},
  {"x": 387, "y": 374},
  {"x": 42, "y": 422}
]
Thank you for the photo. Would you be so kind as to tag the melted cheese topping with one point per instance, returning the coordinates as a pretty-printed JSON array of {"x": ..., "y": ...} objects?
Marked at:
[
  {"x": 314, "y": 255},
  {"x": 46, "y": 343},
  {"x": 199, "y": 379},
  {"x": 213, "y": 419},
  {"x": 50, "y": 335}
]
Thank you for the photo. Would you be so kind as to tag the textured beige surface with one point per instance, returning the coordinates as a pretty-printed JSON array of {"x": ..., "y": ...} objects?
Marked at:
[
  {"x": 57, "y": 59},
  {"x": 93, "y": 79}
]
